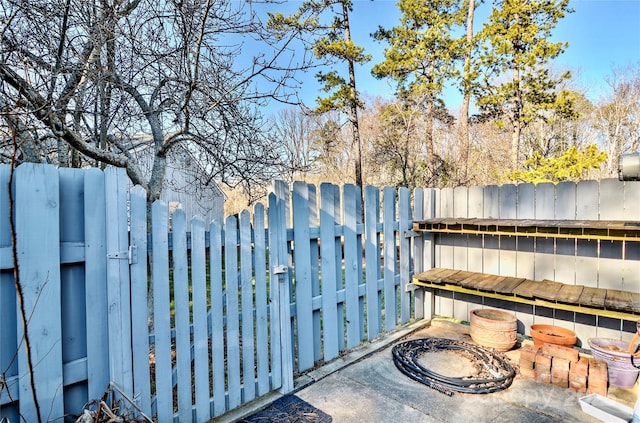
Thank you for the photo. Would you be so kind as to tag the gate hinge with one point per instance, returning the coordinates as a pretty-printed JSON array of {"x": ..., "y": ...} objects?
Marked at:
[{"x": 131, "y": 255}]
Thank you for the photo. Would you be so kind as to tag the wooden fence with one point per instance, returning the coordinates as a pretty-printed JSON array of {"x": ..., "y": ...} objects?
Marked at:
[
  {"x": 232, "y": 310},
  {"x": 194, "y": 324}
]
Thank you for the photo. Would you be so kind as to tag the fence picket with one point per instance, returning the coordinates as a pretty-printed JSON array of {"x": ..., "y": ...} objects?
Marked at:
[
  {"x": 262, "y": 321},
  {"x": 72, "y": 282},
  {"x": 246, "y": 283},
  {"x": 352, "y": 276},
  {"x": 302, "y": 275},
  {"x": 389, "y": 240},
  {"x": 95, "y": 277},
  {"x": 275, "y": 257},
  {"x": 161, "y": 311},
  {"x": 372, "y": 258},
  {"x": 314, "y": 248},
  {"x": 233, "y": 311},
  {"x": 328, "y": 269},
  {"x": 139, "y": 299},
  {"x": 339, "y": 278},
  {"x": 200, "y": 330},
  {"x": 182, "y": 313},
  {"x": 37, "y": 218},
  {"x": 217, "y": 317}
]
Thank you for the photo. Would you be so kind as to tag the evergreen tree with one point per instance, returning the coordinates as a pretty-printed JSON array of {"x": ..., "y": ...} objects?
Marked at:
[
  {"x": 332, "y": 44},
  {"x": 572, "y": 165},
  {"x": 516, "y": 86},
  {"x": 421, "y": 57}
]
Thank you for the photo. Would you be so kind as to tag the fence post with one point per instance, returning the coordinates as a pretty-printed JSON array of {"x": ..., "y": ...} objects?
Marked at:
[
  {"x": 424, "y": 208},
  {"x": 280, "y": 295},
  {"x": 118, "y": 287},
  {"x": 404, "y": 224}
]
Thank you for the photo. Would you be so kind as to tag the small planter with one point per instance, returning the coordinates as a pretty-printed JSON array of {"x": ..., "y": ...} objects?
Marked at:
[
  {"x": 493, "y": 328},
  {"x": 621, "y": 368},
  {"x": 550, "y": 334}
]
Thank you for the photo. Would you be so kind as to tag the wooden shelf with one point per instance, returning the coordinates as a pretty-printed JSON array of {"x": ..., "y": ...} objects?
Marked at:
[
  {"x": 578, "y": 229},
  {"x": 575, "y": 298}
]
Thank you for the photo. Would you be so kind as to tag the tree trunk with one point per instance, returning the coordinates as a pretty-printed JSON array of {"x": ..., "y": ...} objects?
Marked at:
[
  {"x": 464, "y": 118},
  {"x": 353, "y": 103},
  {"x": 516, "y": 116}
]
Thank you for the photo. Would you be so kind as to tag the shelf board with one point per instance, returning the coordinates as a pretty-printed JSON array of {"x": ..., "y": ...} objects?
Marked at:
[{"x": 577, "y": 229}]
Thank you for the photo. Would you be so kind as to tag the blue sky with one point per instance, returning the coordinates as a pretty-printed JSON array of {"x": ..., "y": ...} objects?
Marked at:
[{"x": 600, "y": 33}]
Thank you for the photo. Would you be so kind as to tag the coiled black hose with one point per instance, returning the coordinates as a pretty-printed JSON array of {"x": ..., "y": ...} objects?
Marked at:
[{"x": 496, "y": 374}]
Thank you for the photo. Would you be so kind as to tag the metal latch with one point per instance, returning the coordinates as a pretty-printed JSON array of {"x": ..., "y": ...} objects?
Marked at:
[
  {"x": 131, "y": 255},
  {"x": 410, "y": 287},
  {"x": 411, "y": 233},
  {"x": 280, "y": 269}
]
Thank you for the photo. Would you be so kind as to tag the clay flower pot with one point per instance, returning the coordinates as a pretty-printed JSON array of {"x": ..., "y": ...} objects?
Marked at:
[
  {"x": 493, "y": 328},
  {"x": 552, "y": 335}
]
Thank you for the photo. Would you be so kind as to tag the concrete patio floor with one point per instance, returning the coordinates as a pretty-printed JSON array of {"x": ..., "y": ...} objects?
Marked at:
[{"x": 366, "y": 386}]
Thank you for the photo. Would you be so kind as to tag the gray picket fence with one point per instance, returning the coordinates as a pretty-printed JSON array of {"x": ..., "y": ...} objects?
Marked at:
[{"x": 190, "y": 324}]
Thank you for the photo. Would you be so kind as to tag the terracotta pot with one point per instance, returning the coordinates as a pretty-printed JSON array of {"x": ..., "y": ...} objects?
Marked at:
[
  {"x": 552, "y": 335},
  {"x": 493, "y": 328}
]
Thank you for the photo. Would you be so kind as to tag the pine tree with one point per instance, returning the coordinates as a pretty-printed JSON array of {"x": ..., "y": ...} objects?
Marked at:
[
  {"x": 421, "y": 57},
  {"x": 332, "y": 44},
  {"x": 516, "y": 86}
]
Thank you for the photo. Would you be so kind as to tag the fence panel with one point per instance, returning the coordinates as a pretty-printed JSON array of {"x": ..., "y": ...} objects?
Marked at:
[{"x": 92, "y": 244}]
